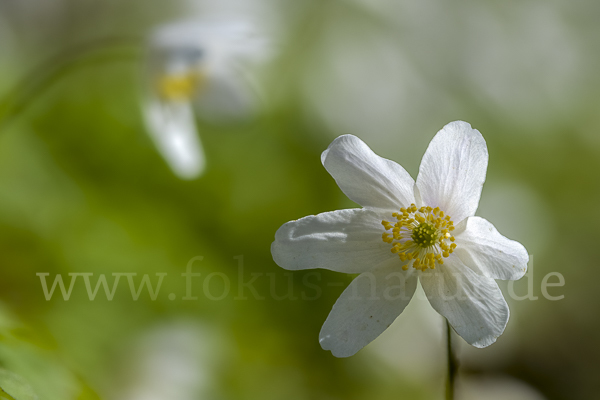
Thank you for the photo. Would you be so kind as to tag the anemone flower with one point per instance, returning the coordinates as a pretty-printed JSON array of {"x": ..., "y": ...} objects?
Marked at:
[
  {"x": 198, "y": 68},
  {"x": 406, "y": 233}
]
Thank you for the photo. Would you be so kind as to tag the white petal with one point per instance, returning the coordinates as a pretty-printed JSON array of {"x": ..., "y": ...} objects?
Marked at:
[
  {"x": 472, "y": 303},
  {"x": 366, "y": 178},
  {"x": 366, "y": 308},
  {"x": 345, "y": 241},
  {"x": 483, "y": 249},
  {"x": 418, "y": 199},
  {"x": 453, "y": 170},
  {"x": 172, "y": 127},
  {"x": 232, "y": 39},
  {"x": 226, "y": 97}
]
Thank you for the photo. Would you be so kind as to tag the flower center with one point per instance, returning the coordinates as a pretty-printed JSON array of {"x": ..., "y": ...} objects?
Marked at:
[
  {"x": 424, "y": 234},
  {"x": 179, "y": 87},
  {"x": 420, "y": 236}
]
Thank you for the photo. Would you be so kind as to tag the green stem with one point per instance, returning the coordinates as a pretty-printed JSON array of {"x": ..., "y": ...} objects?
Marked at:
[
  {"x": 452, "y": 364},
  {"x": 45, "y": 75}
]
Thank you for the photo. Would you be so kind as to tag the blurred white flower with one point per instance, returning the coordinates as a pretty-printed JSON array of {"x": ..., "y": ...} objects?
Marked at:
[
  {"x": 496, "y": 388},
  {"x": 175, "y": 361},
  {"x": 420, "y": 355},
  {"x": 456, "y": 265},
  {"x": 414, "y": 62},
  {"x": 361, "y": 80},
  {"x": 199, "y": 67}
]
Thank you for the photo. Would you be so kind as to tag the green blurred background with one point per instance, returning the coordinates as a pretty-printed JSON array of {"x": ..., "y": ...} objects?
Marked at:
[{"x": 83, "y": 189}]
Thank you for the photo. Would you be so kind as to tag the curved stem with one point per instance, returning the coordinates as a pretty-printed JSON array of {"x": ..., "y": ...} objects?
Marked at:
[
  {"x": 46, "y": 74},
  {"x": 452, "y": 364}
]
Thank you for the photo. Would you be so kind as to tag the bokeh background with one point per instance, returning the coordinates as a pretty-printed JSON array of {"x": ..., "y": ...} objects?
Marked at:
[{"x": 83, "y": 189}]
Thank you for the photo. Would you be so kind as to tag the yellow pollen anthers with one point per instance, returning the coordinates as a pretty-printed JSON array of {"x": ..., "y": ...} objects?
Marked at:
[
  {"x": 180, "y": 87},
  {"x": 420, "y": 236}
]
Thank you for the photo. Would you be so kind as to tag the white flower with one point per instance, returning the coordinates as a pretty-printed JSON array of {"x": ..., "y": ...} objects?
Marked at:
[
  {"x": 407, "y": 232},
  {"x": 200, "y": 64},
  {"x": 178, "y": 360}
]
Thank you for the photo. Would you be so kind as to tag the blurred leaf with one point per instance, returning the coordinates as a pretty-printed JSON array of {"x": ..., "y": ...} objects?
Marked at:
[
  {"x": 14, "y": 387},
  {"x": 31, "y": 367}
]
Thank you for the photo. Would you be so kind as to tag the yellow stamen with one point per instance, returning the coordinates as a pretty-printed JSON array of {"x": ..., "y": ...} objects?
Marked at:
[
  {"x": 420, "y": 236},
  {"x": 180, "y": 87}
]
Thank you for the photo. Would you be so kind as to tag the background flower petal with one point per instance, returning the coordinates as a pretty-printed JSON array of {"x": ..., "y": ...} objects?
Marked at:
[
  {"x": 472, "y": 303},
  {"x": 172, "y": 127},
  {"x": 346, "y": 241},
  {"x": 366, "y": 308},
  {"x": 483, "y": 249},
  {"x": 453, "y": 170},
  {"x": 366, "y": 178}
]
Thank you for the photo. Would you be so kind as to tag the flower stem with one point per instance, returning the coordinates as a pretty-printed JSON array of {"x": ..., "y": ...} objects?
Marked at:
[
  {"x": 52, "y": 70},
  {"x": 452, "y": 363}
]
